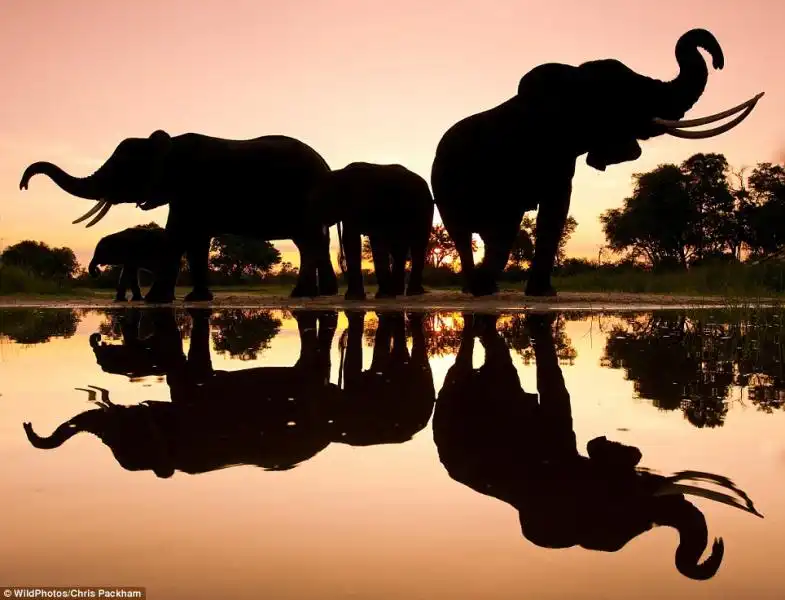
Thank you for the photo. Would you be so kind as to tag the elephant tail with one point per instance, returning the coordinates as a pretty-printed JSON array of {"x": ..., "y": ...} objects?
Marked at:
[{"x": 341, "y": 253}]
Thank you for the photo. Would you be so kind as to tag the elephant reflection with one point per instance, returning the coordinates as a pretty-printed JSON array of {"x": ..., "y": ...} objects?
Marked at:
[
  {"x": 497, "y": 439},
  {"x": 394, "y": 398},
  {"x": 265, "y": 416},
  {"x": 271, "y": 417},
  {"x": 157, "y": 354}
]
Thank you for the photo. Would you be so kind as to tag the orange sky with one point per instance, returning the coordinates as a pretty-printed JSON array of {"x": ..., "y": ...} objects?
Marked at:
[{"x": 366, "y": 80}]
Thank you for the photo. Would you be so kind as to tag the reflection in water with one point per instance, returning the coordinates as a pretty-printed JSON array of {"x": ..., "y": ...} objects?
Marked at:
[
  {"x": 37, "y": 326},
  {"x": 501, "y": 441},
  {"x": 272, "y": 417},
  {"x": 703, "y": 358}
]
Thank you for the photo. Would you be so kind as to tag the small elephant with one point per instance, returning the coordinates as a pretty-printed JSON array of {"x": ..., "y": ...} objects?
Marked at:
[
  {"x": 394, "y": 208},
  {"x": 256, "y": 188},
  {"x": 133, "y": 249},
  {"x": 493, "y": 166}
]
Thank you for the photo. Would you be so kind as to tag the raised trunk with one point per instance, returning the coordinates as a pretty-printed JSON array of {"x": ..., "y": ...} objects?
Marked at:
[
  {"x": 63, "y": 433},
  {"x": 687, "y": 87},
  {"x": 675, "y": 511},
  {"x": 82, "y": 187}
]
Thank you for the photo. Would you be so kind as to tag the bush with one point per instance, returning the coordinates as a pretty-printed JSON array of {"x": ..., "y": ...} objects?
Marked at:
[{"x": 16, "y": 280}]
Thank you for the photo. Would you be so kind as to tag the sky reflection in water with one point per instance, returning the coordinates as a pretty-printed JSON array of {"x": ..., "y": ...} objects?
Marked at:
[{"x": 340, "y": 454}]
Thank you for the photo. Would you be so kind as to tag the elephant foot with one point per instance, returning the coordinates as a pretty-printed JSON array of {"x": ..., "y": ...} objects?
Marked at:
[
  {"x": 533, "y": 289},
  {"x": 120, "y": 299},
  {"x": 328, "y": 289},
  {"x": 199, "y": 296},
  {"x": 157, "y": 297},
  {"x": 354, "y": 295},
  {"x": 483, "y": 284},
  {"x": 416, "y": 290},
  {"x": 381, "y": 294},
  {"x": 304, "y": 291}
]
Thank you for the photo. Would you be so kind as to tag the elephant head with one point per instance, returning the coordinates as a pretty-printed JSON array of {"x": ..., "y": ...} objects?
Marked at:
[
  {"x": 619, "y": 107},
  {"x": 133, "y": 173}
]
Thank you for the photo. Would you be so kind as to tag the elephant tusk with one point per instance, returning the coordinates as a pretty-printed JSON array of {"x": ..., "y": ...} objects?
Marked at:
[
  {"x": 99, "y": 205},
  {"x": 679, "y": 488},
  {"x": 104, "y": 209},
  {"x": 700, "y": 135},
  {"x": 711, "y": 118}
]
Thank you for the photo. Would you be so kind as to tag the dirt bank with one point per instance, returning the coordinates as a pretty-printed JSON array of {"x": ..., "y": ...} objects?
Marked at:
[{"x": 507, "y": 301}]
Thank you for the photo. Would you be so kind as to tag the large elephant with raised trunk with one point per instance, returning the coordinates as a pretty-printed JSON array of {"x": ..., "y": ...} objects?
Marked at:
[
  {"x": 521, "y": 448},
  {"x": 493, "y": 166},
  {"x": 256, "y": 187},
  {"x": 391, "y": 205}
]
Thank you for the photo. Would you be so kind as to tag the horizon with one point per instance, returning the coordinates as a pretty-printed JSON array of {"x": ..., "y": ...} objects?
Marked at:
[{"x": 359, "y": 81}]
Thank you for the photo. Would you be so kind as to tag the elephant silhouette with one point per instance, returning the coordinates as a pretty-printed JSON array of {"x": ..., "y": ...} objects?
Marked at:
[
  {"x": 520, "y": 448},
  {"x": 270, "y": 417},
  {"x": 393, "y": 400}
]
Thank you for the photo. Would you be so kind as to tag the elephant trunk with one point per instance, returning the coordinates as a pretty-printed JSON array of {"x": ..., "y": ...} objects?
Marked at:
[
  {"x": 60, "y": 435},
  {"x": 92, "y": 268},
  {"x": 690, "y": 83},
  {"x": 81, "y": 187},
  {"x": 677, "y": 512}
]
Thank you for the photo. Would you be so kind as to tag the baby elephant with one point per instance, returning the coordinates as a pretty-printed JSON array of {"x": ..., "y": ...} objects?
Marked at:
[
  {"x": 133, "y": 248},
  {"x": 394, "y": 208}
]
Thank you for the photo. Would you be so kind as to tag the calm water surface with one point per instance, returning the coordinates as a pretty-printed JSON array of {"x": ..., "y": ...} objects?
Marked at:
[{"x": 264, "y": 454}]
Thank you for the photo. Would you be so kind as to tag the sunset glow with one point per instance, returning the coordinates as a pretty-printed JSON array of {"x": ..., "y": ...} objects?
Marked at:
[{"x": 359, "y": 80}]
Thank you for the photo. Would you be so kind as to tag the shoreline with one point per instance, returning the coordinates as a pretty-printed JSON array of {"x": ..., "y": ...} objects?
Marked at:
[{"x": 503, "y": 301}]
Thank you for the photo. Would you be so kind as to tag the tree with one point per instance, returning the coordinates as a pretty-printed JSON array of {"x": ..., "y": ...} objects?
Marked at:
[
  {"x": 41, "y": 260},
  {"x": 523, "y": 247},
  {"x": 235, "y": 256},
  {"x": 764, "y": 209},
  {"x": 657, "y": 221}
]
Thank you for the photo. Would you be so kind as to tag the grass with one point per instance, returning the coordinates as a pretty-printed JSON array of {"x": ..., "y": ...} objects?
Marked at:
[{"x": 18, "y": 281}]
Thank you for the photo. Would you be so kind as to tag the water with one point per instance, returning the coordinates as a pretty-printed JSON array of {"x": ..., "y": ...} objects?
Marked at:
[{"x": 342, "y": 455}]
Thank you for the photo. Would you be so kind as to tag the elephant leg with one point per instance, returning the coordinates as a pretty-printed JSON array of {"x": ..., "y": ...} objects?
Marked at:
[
  {"x": 418, "y": 248},
  {"x": 551, "y": 218},
  {"x": 381, "y": 265},
  {"x": 198, "y": 255},
  {"x": 400, "y": 254},
  {"x": 168, "y": 268},
  {"x": 306, "y": 286},
  {"x": 122, "y": 285},
  {"x": 352, "y": 249},
  {"x": 463, "y": 244},
  {"x": 133, "y": 282},
  {"x": 498, "y": 244},
  {"x": 328, "y": 281}
]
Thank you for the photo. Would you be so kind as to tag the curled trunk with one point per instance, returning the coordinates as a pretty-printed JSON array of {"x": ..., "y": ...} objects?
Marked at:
[
  {"x": 81, "y": 187},
  {"x": 687, "y": 87},
  {"x": 63, "y": 433},
  {"x": 676, "y": 512}
]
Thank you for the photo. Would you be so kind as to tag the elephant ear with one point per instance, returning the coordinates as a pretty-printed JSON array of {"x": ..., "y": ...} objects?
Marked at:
[{"x": 160, "y": 147}]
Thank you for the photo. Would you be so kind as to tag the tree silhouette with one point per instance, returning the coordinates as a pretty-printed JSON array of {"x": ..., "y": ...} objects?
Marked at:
[
  {"x": 32, "y": 326},
  {"x": 244, "y": 333},
  {"x": 236, "y": 256},
  {"x": 523, "y": 247},
  {"x": 41, "y": 260}
]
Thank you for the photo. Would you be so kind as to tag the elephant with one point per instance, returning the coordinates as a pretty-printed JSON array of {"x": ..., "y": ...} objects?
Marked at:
[
  {"x": 520, "y": 448},
  {"x": 257, "y": 188},
  {"x": 133, "y": 249},
  {"x": 393, "y": 400},
  {"x": 493, "y": 166},
  {"x": 262, "y": 416},
  {"x": 392, "y": 206},
  {"x": 271, "y": 417}
]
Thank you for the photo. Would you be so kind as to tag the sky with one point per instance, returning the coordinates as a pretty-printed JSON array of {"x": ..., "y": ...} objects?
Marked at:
[{"x": 359, "y": 80}]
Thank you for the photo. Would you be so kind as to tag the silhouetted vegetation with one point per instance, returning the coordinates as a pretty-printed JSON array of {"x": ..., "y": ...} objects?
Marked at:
[
  {"x": 243, "y": 333},
  {"x": 34, "y": 326},
  {"x": 692, "y": 363}
]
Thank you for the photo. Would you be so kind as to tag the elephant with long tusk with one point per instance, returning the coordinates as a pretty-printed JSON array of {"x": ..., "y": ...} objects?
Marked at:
[
  {"x": 257, "y": 188},
  {"x": 493, "y": 166},
  {"x": 521, "y": 448}
]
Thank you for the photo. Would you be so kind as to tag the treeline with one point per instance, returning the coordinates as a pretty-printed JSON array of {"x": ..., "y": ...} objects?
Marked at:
[{"x": 699, "y": 216}]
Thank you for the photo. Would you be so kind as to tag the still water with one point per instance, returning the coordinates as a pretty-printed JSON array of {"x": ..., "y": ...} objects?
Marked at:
[{"x": 269, "y": 454}]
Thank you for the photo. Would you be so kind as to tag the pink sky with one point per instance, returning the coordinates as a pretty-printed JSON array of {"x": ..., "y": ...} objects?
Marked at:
[{"x": 368, "y": 80}]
